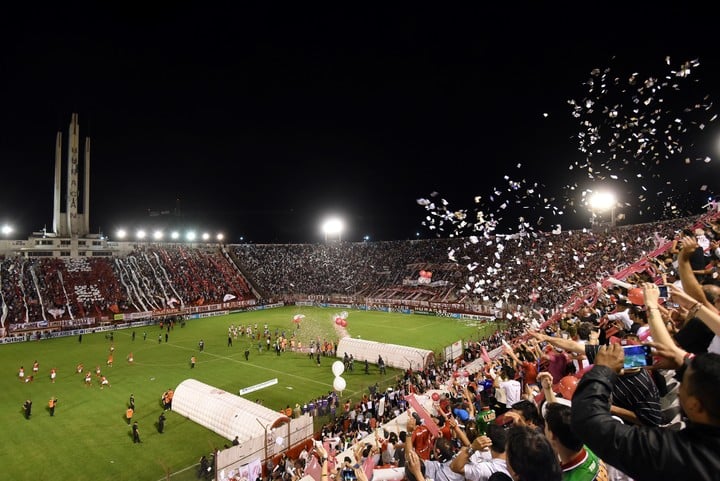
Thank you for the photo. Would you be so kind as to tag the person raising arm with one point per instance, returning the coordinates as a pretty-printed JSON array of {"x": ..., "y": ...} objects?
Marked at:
[{"x": 653, "y": 453}]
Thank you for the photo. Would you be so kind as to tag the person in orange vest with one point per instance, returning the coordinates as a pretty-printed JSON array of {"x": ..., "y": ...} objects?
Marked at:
[
  {"x": 110, "y": 360},
  {"x": 129, "y": 415},
  {"x": 51, "y": 405}
]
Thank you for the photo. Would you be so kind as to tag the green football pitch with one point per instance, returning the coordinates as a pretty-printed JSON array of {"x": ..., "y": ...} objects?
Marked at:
[{"x": 88, "y": 438}]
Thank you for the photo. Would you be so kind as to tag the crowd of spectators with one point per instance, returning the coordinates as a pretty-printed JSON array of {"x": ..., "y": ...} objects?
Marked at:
[
  {"x": 608, "y": 423},
  {"x": 538, "y": 271},
  {"x": 559, "y": 402},
  {"x": 150, "y": 279}
]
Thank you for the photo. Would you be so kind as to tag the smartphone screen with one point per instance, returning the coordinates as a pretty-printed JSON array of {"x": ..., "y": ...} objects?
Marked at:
[
  {"x": 637, "y": 356},
  {"x": 664, "y": 293}
]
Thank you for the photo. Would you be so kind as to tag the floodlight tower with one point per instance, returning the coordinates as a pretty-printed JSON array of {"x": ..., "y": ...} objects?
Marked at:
[
  {"x": 602, "y": 202},
  {"x": 333, "y": 226}
]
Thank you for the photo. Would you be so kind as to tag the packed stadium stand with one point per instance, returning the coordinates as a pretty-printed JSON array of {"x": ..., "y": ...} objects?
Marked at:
[{"x": 537, "y": 271}]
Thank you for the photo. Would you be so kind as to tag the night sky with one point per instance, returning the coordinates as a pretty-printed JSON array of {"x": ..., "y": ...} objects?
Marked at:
[{"x": 259, "y": 123}]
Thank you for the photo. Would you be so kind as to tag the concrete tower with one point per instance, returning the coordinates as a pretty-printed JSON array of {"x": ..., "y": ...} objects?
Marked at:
[
  {"x": 72, "y": 223},
  {"x": 56, "y": 184}
]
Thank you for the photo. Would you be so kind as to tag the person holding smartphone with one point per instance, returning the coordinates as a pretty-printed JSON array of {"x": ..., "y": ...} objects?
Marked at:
[
  {"x": 653, "y": 453},
  {"x": 347, "y": 473},
  {"x": 636, "y": 398}
]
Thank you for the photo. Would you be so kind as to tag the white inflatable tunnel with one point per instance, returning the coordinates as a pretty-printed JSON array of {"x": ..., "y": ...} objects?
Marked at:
[
  {"x": 223, "y": 412},
  {"x": 394, "y": 355}
]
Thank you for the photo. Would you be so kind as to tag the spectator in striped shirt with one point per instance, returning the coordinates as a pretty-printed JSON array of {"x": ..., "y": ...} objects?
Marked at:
[{"x": 635, "y": 396}]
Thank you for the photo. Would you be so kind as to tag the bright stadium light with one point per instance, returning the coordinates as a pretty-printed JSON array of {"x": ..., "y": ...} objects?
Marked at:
[
  {"x": 190, "y": 236},
  {"x": 158, "y": 235},
  {"x": 205, "y": 236},
  {"x": 140, "y": 234},
  {"x": 220, "y": 237},
  {"x": 6, "y": 230},
  {"x": 174, "y": 235},
  {"x": 121, "y": 233},
  {"x": 333, "y": 226},
  {"x": 603, "y": 201}
]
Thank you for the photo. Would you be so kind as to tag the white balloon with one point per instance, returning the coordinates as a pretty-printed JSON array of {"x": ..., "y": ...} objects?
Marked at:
[
  {"x": 339, "y": 384},
  {"x": 338, "y": 368}
]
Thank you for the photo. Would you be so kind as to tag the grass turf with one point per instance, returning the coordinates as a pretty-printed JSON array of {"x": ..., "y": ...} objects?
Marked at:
[{"x": 89, "y": 438}]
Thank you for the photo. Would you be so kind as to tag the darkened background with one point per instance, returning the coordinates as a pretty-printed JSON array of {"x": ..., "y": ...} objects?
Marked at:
[{"x": 260, "y": 122}]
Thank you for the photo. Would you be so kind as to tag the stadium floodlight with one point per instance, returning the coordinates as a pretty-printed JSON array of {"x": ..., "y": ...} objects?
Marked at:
[
  {"x": 366, "y": 238},
  {"x": 158, "y": 235},
  {"x": 121, "y": 233},
  {"x": 220, "y": 237},
  {"x": 603, "y": 201},
  {"x": 6, "y": 229},
  {"x": 140, "y": 234},
  {"x": 205, "y": 236},
  {"x": 174, "y": 235},
  {"x": 333, "y": 226},
  {"x": 190, "y": 236}
]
